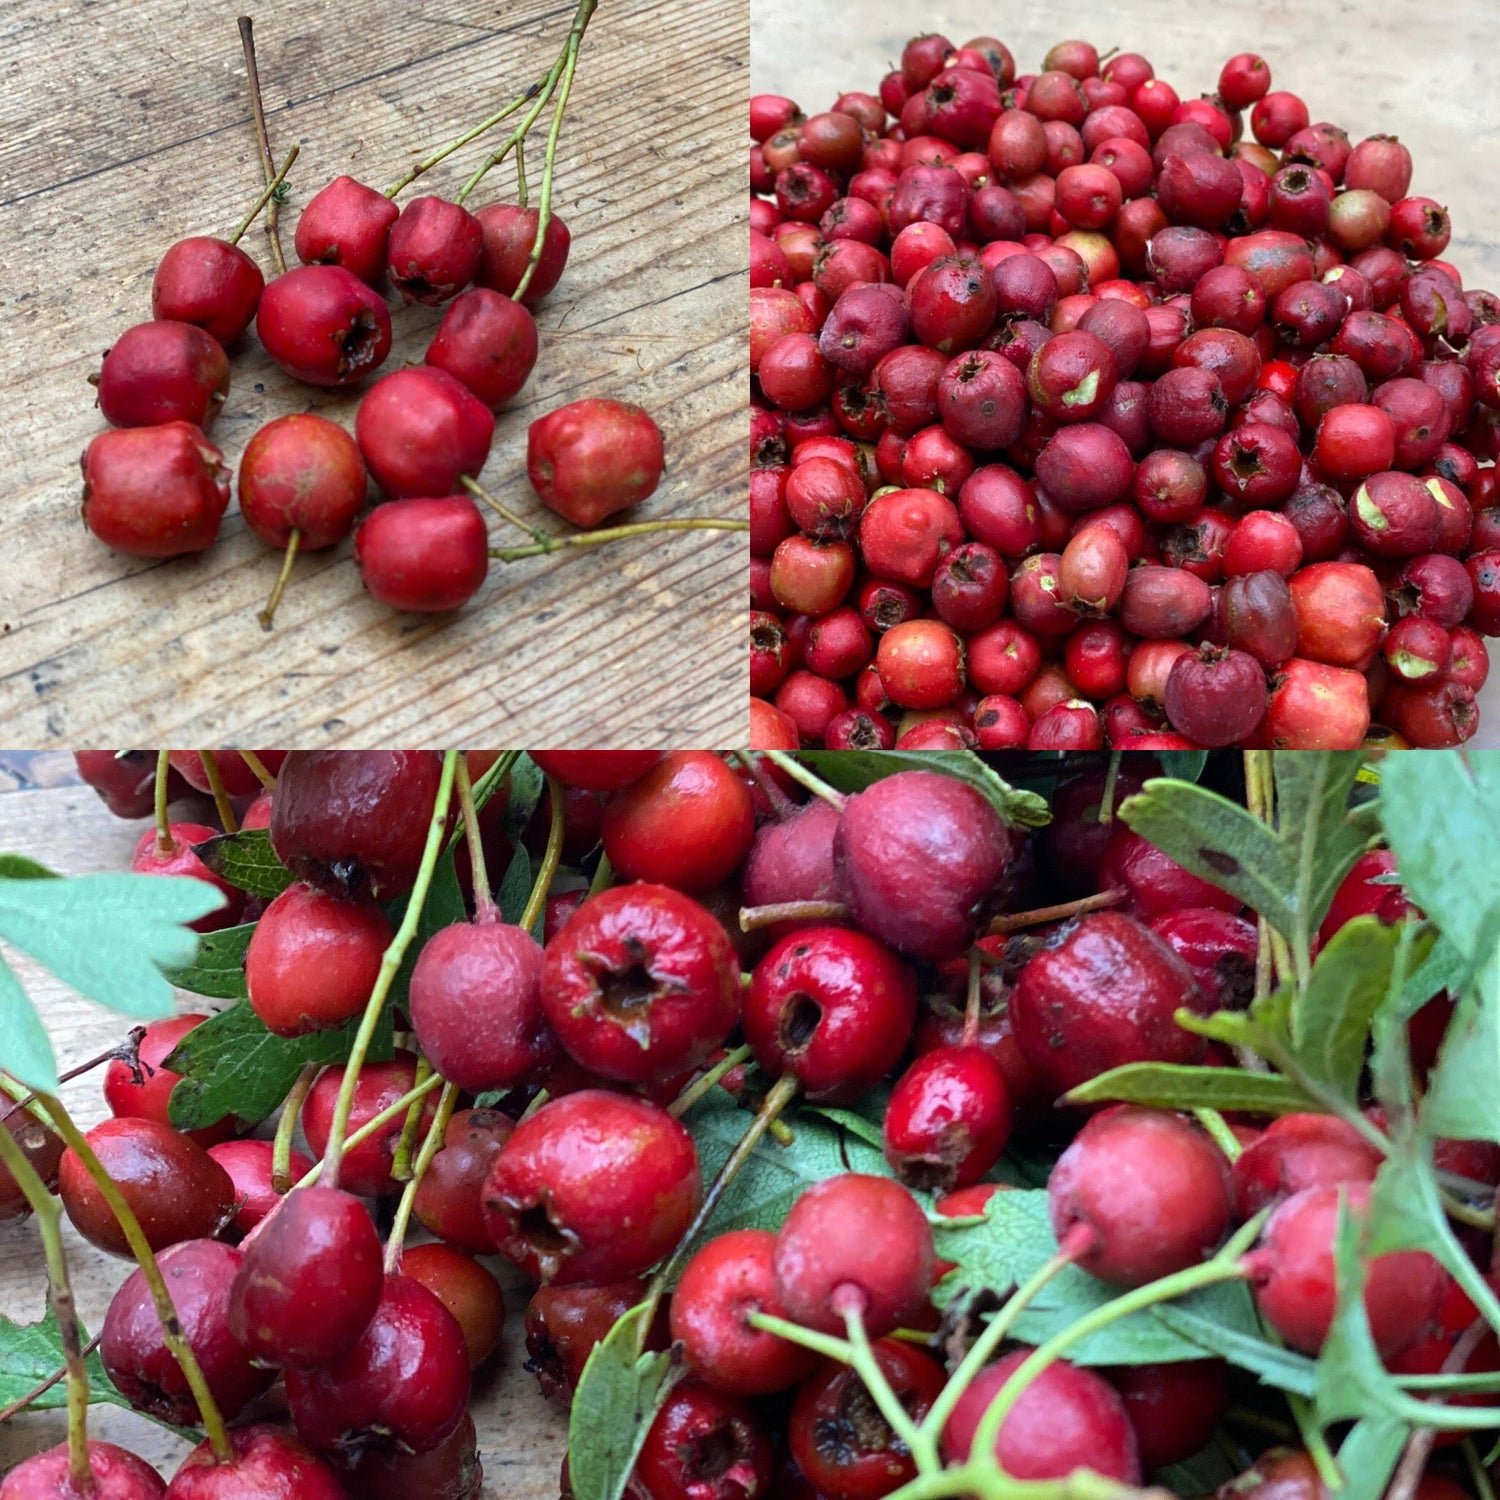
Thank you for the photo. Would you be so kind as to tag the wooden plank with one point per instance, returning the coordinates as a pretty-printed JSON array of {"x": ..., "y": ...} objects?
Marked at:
[
  {"x": 521, "y": 1436},
  {"x": 126, "y": 126}
]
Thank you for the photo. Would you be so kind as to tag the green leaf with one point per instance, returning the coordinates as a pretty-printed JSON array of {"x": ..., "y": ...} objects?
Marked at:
[
  {"x": 24, "y": 1043},
  {"x": 218, "y": 967},
  {"x": 1461, "y": 1099},
  {"x": 1172, "y": 1086},
  {"x": 617, "y": 1399},
  {"x": 856, "y": 1124},
  {"x": 526, "y": 787},
  {"x": 246, "y": 861},
  {"x": 1283, "y": 1368},
  {"x": 231, "y": 1065},
  {"x": 109, "y": 936},
  {"x": 854, "y": 770},
  {"x": 1368, "y": 1457},
  {"x": 515, "y": 885},
  {"x": 19, "y": 867},
  {"x": 1205, "y": 1473},
  {"x": 1314, "y": 821},
  {"x": 1183, "y": 765}
]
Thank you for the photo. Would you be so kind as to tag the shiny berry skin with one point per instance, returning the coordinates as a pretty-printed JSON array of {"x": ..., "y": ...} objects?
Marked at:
[
  {"x": 1296, "y": 1152},
  {"x": 918, "y": 857},
  {"x": 641, "y": 983},
  {"x": 948, "y": 1119},
  {"x": 854, "y": 1243},
  {"x": 1102, "y": 993},
  {"x": 163, "y": 371},
  {"x": 249, "y": 1166},
  {"x": 268, "y": 1464},
  {"x": 154, "y": 491},
  {"x": 301, "y": 472},
  {"x": 419, "y": 430},
  {"x": 118, "y": 1475},
  {"x": 448, "y": 1197},
  {"x": 210, "y": 283},
  {"x": 42, "y": 1147},
  {"x": 1067, "y": 1418},
  {"x": 310, "y": 1281},
  {"x": 702, "y": 1446},
  {"x": 509, "y": 236},
  {"x": 426, "y": 555},
  {"x": 476, "y": 1006},
  {"x": 347, "y": 224},
  {"x": 175, "y": 1189},
  {"x": 125, "y": 782},
  {"x": 313, "y": 959},
  {"x": 151, "y": 859},
  {"x": 564, "y": 1323},
  {"x": 144, "y": 1094},
  {"x": 597, "y": 770},
  {"x": 237, "y": 777},
  {"x": 594, "y": 1186},
  {"x": 466, "y": 1288},
  {"x": 1219, "y": 947},
  {"x": 433, "y": 251},
  {"x": 1293, "y": 1275},
  {"x": 198, "y": 1274},
  {"x": 687, "y": 822},
  {"x": 727, "y": 1279},
  {"x": 487, "y": 342},
  {"x": 324, "y": 326},
  {"x": 366, "y": 1168},
  {"x": 406, "y": 1377},
  {"x": 592, "y": 458},
  {"x": 837, "y": 1435},
  {"x": 1174, "y": 1408},
  {"x": 1149, "y": 1188},
  {"x": 351, "y": 822},
  {"x": 832, "y": 1006}
]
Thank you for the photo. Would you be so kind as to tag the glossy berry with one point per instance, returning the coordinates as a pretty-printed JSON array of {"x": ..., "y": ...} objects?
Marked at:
[
  {"x": 448, "y": 1197},
  {"x": 641, "y": 983},
  {"x": 313, "y": 959},
  {"x": 118, "y": 1475},
  {"x": 198, "y": 1274},
  {"x": 154, "y": 491},
  {"x": 210, "y": 283},
  {"x": 267, "y": 1462},
  {"x": 163, "y": 371},
  {"x": 476, "y": 1005},
  {"x": 425, "y": 555},
  {"x": 1102, "y": 993},
  {"x": 347, "y": 224},
  {"x": 42, "y": 1148},
  {"x": 173, "y": 1186},
  {"x": 125, "y": 780},
  {"x": 564, "y": 1323},
  {"x": 854, "y": 1244},
  {"x": 249, "y": 1166},
  {"x": 1219, "y": 947},
  {"x": 948, "y": 1119},
  {"x": 727, "y": 1279},
  {"x": 1144, "y": 1191},
  {"x": 351, "y": 822},
  {"x": 180, "y": 859},
  {"x": 509, "y": 237},
  {"x": 918, "y": 857},
  {"x": 1174, "y": 1408},
  {"x": 702, "y": 1446},
  {"x": 304, "y": 472},
  {"x": 1155, "y": 883},
  {"x": 597, "y": 770},
  {"x": 594, "y": 1186},
  {"x": 143, "y": 1091},
  {"x": 433, "y": 250},
  {"x": 1295, "y": 1152},
  {"x": 310, "y": 1281},
  {"x": 324, "y": 326},
  {"x": 832, "y": 1006},
  {"x": 687, "y": 822},
  {"x": 1066, "y": 1419},
  {"x": 466, "y": 1289},
  {"x": 420, "y": 429},
  {"x": 367, "y": 1167},
  {"x": 592, "y": 458},
  {"x": 488, "y": 342}
]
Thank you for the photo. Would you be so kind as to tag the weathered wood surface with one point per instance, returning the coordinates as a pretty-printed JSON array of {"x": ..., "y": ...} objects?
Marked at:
[
  {"x": 521, "y": 1436},
  {"x": 1403, "y": 67},
  {"x": 125, "y": 125}
]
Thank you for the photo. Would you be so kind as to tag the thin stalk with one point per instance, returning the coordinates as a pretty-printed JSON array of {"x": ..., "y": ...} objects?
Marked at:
[
  {"x": 974, "y": 996},
  {"x": 538, "y": 1099},
  {"x": 863, "y": 1361},
  {"x": 614, "y": 534},
  {"x": 489, "y": 783},
  {"x": 604, "y": 876},
  {"x": 163, "y": 823},
  {"x": 263, "y": 142},
  {"x": 430, "y": 1148},
  {"x": 800, "y": 774},
  {"x": 521, "y": 192},
  {"x": 376, "y": 1123},
  {"x": 1107, "y": 797},
  {"x": 216, "y": 790},
  {"x": 1477, "y": 1476},
  {"x": 268, "y": 615},
  {"x": 484, "y": 901},
  {"x": 536, "y": 902},
  {"x": 48, "y": 1213},
  {"x": 1223, "y": 1137},
  {"x": 140, "y": 1247},
  {"x": 258, "y": 769},
  {"x": 781, "y": 804},
  {"x": 504, "y": 511},
  {"x": 1313, "y": 1440},
  {"x": 705, "y": 1082},
  {"x": 281, "y": 1145},
  {"x": 753, "y": 917},
  {"x": 1017, "y": 921},
  {"x": 401, "y": 1160},
  {"x": 128, "y": 1052},
  {"x": 268, "y": 196},
  {"x": 390, "y": 964}
]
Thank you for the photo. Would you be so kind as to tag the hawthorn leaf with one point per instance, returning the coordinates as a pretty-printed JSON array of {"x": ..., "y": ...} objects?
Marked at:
[
  {"x": 218, "y": 967},
  {"x": 247, "y": 861},
  {"x": 24, "y": 1043}
]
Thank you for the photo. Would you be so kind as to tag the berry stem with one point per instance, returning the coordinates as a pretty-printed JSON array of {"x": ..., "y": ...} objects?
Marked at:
[
  {"x": 216, "y": 788},
  {"x": 401, "y": 1160},
  {"x": 430, "y": 1148},
  {"x": 521, "y": 191},
  {"x": 1017, "y": 921},
  {"x": 862, "y": 1360},
  {"x": 604, "y": 876},
  {"x": 375, "y": 1123},
  {"x": 781, "y": 804},
  {"x": 281, "y": 1146},
  {"x": 284, "y": 577},
  {"x": 536, "y": 902},
  {"x": 268, "y": 196},
  {"x": 489, "y": 783},
  {"x": 704, "y": 1082},
  {"x": 1223, "y": 1137},
  {"x": 128, "y": 1052},
  {"x": 263, "y": 143},
  {"x": 799, "y": 773},
  {"x": 163, "y": 823},
  {"x": 974, "y": 996},
  {"x": 753, "y": 917},
  {"x": 538, "y": 1099},
  {"x": 484, "y": 901},
  {"x": 389, "y": 966},
  {"x": 140, "y": 1247},
  {"x": 48, "y": 1213},
  {"x": 258, "y": 769},
  {"x": 504, "y": 511},
  {"x": 615, "y": 534}
]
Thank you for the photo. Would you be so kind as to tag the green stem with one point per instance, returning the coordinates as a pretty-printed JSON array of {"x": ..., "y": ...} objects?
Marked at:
[
  {"x": 1314, "y": 1441},
  {"x": 489, "y": 783},
  {"x": 286, "y": 1126},
  {"x": 377, "y": 1123},
  {"x": 216, "y": 790},
  {"x": 536, "y": 902},
  {"x": 800, "y": 774},
  {"x": 267, "y": 616},
  {"x": 258, "y": 769},
  {"x": 49, "y": 1221},
  {"x": 390, "y": 964},
  {"x": 484, "y": 900},
  {"x": 604, "y": 875},
  {"x": 807, "y": 1338},
  {"x": 1223, "y": 1137},
  {"x": 1477, "y": 1476},
  {"x": 521, "y": 192},
  {"x": 163, "y": 822},
  {"x": 614, "y": 534},
  {"x": 702, "y": 1084},
  {"x": 1107, "y": 797},
  {"x": 430, "y": 1148},
  {"x": 505, "y": 513},
  {"x": 867, "y": 1367},
  {"x": 265, "y": 198},
  {"x": 401, "y": 1159}
]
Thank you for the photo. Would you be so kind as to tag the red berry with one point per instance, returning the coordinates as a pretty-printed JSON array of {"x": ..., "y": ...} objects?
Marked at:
[
  {"x": 143, "y": 1091},
  {"x": 1175, "y": 1408},
  {"x": 154, "y": 491},
  {"x": 948, "y": 1119},
  {"x": 151, "y": 859},
  {"x": 466, "y": 1289},
  {"x": 367, "y": 1168},
  {"x": 451, "y": 1471},
  {"x": 597, "y": 770},
  {"x": 509, "y": 238},
  {"x": 118, "y": 1475},
  {"x": 433, "y": 251},
  {"x": 1365, "y": 891},
  {"x": 163, "y": 371},
  {"x": 1296, "y": 1152},
  {"x": 702, "y": 1446},
  {"x": 324, "y": 326},
  {"x": 420, "y": 429},
  {"x": 448, "y": 1201},
  {"x": 347, "y": 224},
  {"x": 488, "y": 342},
  {"x": 43, "y": 1149},
  {"x": 210, "y": 283},
  {"x": 425, "y": 555},
  {"x": 564, "y": 1323},
  {"x": 267, "y": 1462},
  {"x": 1219, "y": 947},
  {"x": 592, "y": 458},
  {"x": 304, "y": 472},
  {"x": 249, "y": 1166}
]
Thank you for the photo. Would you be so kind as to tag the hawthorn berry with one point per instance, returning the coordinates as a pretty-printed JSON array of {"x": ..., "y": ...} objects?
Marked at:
[
  {"x": 210, "y": 283},
  {"x": 143, "y": 1090},
  {"x": 267, "y": 1461},
  {"x": 249, "y": 1164},
  {"x": 466, "y": 1289},
  {"x": 448, "y": 1201},
  {"x": 948, "y": 1118},
  {"x": 323, "y": 325},
  {"x": 154, "y": 491},
  {"x": 367, "y": 1167},
  {"x": 564, "y": 1323},
  {"x": 118, "y": 1475},
  {"x": 592, "y": 458},
  {"x": 347, "y": 224}
]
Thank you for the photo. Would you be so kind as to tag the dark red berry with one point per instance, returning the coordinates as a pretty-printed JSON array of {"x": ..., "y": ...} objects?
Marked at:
[
  {"x": 163, "y": 371},
  {"x": 249, "y": 1166},
  {"x": 154, "y": 491},
  {"x": 367, "y": 1167},
  {"x": 509, "y": 239},
  {"x": 433, "y": 250},
  {"x": 466, "y": 1288},
  {"x": 702, "y": 1446},
  {"x": 43, "y": 1149},
  {"x": 1295, "y": 1152},
  {"x": 448, "y": 1201},
  {"x": 267, "y": 1462},
  {"x": 488, "y": 342},
  {"x": 564, "y": 1323},
  {"x": 948, "y": 1119},
  {"x": 592, "y": 458},
  {"x": 324, "y": 326},
  {"x": 1174, "y": 1408}
]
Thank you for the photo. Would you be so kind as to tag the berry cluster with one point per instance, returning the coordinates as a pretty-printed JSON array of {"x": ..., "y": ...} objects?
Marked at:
[
  {"x": 1084, "y": 418},
  {"x": 156, "y": 486}
]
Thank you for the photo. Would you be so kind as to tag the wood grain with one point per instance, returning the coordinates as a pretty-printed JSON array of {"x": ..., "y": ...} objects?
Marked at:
[
  {"x": 125, "y": 124},
  {"x": 521, "y": 1436}
]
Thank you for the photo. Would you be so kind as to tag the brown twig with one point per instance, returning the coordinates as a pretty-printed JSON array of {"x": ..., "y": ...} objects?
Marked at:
[
  {"x": 263, "y": 141},
  {"x": 20, "y": 1404},
  {"x": 1022, "y": 919}
]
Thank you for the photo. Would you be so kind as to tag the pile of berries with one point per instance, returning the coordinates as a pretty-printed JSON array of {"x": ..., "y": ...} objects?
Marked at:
[
  {"x": 901, "y": 935},
  {"x": 1084, "y": 418},
  {"x": 156, "y": 486}
]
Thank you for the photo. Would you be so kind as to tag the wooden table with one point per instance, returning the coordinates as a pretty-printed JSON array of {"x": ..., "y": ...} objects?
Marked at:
[
  {"x": 1403, "y": 67},
  {"x": 125, "y": 125},
  {"x": 521, "y": 1436}
]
